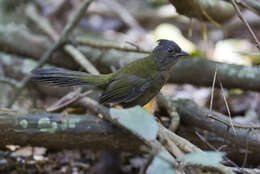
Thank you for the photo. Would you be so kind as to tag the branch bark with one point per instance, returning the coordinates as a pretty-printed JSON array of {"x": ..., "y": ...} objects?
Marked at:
[
  {"x": 57, "y": 131},
  {"x": 207, "y": 10},
  {"x": 194, "y": 116},
  {"x": 200, "y": 72}
]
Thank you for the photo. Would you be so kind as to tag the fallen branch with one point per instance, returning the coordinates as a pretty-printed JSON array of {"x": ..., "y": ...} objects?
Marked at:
[
  {"x": 57, "y": 131},
  {"x": 195, "y": 116},
  {"x": 200, "y": 72}
]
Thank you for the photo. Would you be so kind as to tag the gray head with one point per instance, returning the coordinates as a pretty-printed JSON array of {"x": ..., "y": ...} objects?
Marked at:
[{"x": 167, "y": 53}]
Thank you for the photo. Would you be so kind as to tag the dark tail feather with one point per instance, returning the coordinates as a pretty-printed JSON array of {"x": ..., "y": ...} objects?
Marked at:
[{"x": 59, "y": 77}]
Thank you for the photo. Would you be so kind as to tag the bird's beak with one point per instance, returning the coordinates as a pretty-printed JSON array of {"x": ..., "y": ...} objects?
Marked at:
[{"x": 182, "y": 53}]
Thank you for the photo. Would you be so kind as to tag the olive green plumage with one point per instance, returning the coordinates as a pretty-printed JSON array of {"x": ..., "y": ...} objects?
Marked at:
[{"x": 134, "y": 84}]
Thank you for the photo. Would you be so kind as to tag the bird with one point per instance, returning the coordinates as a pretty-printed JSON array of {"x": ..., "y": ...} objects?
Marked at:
[{"x": 134, "y": 84}]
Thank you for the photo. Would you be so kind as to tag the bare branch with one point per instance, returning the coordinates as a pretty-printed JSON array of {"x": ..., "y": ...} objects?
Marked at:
[
  {"x": 57, "y": 131},
  {"x": 236, "y": 7}
]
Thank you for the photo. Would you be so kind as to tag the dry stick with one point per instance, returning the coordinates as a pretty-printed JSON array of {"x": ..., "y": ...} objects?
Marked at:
[
  {"x": 246, "y": 152},
  {"x": 210, "y": 18},
  {"x": 173, "y": 147},
  {"x": 182, "y": 143},
  {"x": 81, "y": 59},
  {"x": 245, "y": 5},
  {"x": 246, "y": 23},
  {"x": 235, "y": 125},
  {"x": 31, "y": 12},
  {"x": 68, "y": 99},
  {"x": 68, "y": 28},
  {"x": 212, "y": 89},
  {"x": 246, "y": 170},
  {"x": 109, "y": 46},
  {"x": 148, "y": 162},
  {"x": 228, "y": 110}
]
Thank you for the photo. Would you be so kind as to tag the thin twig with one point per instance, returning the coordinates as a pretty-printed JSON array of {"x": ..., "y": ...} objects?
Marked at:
[
  {"x": 234, "y": 125},
  {"x": 228, "y": 110},
  {"x": 81, "y": 59},
  {"x": 173, "y": 147},
  {"x": 109, "y": 46},
  {"x": 210, "y": 18},
  {"x": 68, "y": 28},
  {"x": 249, "y": 171},
  {"x": 182, "y": 143},
  {"x": 246, "y": 23},
  {"x": 134, "y": 45},
  {"x": 148, "y": 162},
  {"x": 67, "y": 99},
  {"x": 212, "y": 89},
  {"x": 246, "y": 153}
]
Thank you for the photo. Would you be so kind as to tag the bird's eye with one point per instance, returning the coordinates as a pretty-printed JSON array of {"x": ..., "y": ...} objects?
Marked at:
[{"x": 170, "y": 50}]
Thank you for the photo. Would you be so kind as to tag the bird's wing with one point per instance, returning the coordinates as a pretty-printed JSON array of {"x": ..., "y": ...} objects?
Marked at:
[{"x": 124, "y": 89}]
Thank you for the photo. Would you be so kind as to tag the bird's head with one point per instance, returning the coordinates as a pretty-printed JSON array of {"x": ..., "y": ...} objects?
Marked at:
[{"x": 167, "y": 53}]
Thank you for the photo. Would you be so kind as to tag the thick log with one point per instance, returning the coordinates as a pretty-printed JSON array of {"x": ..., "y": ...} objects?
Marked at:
[
  {"x": 192, "y": 115},
  {"x": 57, "y": 131}
]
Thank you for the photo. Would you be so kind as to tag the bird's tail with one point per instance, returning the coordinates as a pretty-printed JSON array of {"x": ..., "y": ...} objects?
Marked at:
[{"x": 65, "y": 78}]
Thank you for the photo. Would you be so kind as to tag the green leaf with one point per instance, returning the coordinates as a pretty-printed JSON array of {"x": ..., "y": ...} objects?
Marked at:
[
  {"x": 162, "y": 163},
  {"x": 203, "y": 158},
  {"x": 137, "y": 120}
]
